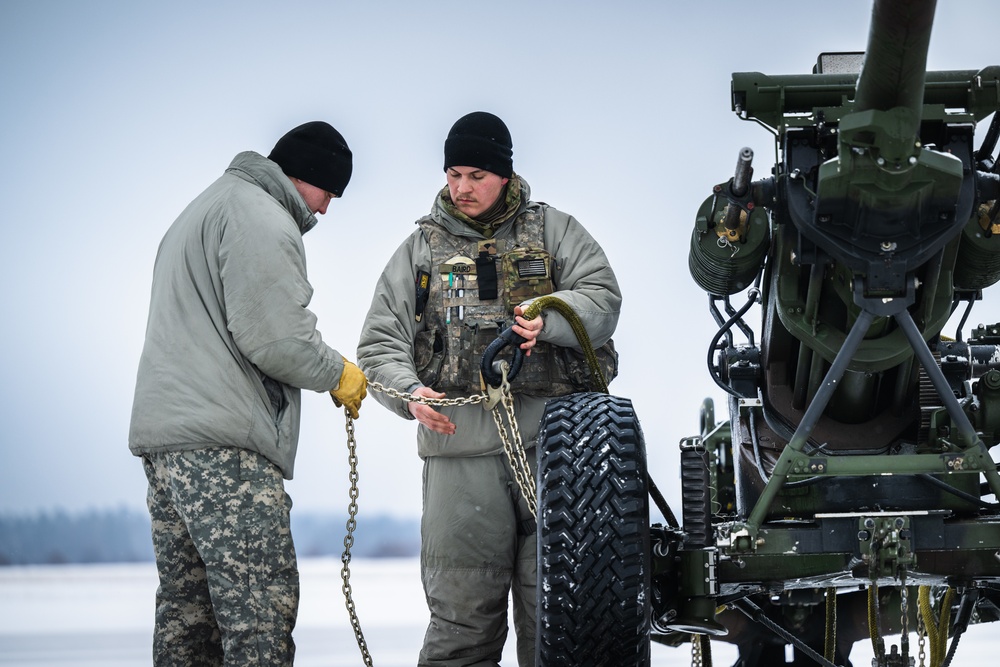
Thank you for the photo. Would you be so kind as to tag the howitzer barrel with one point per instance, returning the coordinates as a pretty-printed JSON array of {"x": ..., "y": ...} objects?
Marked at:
[{"x": 896, "y": 57}]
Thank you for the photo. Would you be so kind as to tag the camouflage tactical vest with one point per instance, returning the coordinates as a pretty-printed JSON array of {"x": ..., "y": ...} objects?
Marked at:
[{"x": 466, "y": 310}]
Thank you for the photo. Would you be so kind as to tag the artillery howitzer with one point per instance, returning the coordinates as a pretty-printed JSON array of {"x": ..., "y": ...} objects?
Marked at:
[{"x": 848, "y": 493}]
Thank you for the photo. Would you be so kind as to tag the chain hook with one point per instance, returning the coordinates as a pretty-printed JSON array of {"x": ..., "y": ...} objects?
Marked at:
[{"x": 495, "y": 394}]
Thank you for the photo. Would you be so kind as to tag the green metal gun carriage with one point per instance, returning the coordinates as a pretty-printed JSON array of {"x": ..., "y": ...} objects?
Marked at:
[{"x": 850, "y": 492}]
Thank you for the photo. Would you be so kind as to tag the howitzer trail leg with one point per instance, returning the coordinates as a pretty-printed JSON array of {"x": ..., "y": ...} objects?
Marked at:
[{"x": 811, "y": 417}]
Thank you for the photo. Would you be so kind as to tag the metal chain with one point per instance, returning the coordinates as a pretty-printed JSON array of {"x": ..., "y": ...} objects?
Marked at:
[
  {"x": 352, "y": 523},
  {"x": 475, "y": 399},
  {"x": 904, "y": 639},
  {"x": 513, "y": 445},
  {"x": 921, "y": 639},
  {"x": 695, "y": 650}
]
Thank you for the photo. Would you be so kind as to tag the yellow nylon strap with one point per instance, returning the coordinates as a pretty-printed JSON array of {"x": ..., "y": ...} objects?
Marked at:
[{"x": 582, "y": 337}]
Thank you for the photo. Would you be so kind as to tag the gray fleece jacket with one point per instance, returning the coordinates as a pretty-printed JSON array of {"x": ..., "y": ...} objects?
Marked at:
[
  {"x": 583, "y": 279},
  {"x": 229, "y": 338}
]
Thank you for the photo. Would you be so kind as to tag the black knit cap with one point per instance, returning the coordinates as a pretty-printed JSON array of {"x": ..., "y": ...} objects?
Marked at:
[
  {"x": 480, "y": 140},
  {"x": 317, "y": 154}
]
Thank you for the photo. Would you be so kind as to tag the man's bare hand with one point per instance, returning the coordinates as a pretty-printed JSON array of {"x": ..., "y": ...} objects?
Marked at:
[
  {"x": 428, "y": 416},
  {"x": 527, "y": 329}
]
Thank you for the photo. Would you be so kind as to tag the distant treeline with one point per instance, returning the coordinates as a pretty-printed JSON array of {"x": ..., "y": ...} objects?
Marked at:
[{"x": 123, "y": 536}]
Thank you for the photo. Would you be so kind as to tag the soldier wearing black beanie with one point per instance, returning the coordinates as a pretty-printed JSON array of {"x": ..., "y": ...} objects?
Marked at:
[
  {"x": 230, "y": 346},
  {"x": 468, "y": 272},
  {"x": 482, "y": 140},
  {"x": 317, "y": 154}
]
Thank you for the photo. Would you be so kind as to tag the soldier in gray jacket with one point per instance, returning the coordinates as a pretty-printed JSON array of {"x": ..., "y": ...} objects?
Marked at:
[
  {"x": 472, "y": 266},
  {"x": 229, "y": 344}
]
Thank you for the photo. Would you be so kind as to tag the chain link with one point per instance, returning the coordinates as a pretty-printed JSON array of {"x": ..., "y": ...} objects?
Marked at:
[
  {"x": 904, "y": 622},
  {"x": 921, "y": 639},
  {"x": 475, "y": 399},
  {"x": 696, "y": 651},
  {"x": 352, "y": 523},
  {"x": 512, "y": 445},
  {"x": 515, "y": 447}
]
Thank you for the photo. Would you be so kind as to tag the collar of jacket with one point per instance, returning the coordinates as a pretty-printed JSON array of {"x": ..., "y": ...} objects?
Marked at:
[
  {"x": 458, "y": 227},
  {"x": 267, "y": 175}
]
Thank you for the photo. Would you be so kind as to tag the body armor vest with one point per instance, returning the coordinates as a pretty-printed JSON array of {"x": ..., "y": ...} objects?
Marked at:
[{"x": 474, "y": 287}]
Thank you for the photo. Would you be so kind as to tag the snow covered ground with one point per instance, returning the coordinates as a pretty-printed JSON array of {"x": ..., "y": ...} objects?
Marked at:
[{"x": 101, "y": 616}]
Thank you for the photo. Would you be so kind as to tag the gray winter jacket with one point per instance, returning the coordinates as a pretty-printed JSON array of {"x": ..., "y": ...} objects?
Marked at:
[
  {"x": 583, "y": 279},
  {"x": 229, "y": 339}
]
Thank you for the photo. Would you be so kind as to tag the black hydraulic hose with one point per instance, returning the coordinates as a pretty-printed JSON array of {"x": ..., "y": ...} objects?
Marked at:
[
  {"x": 968, "y": 603},
  {"x": 968, "y": 497},
  {"x": 661, "y": 504},
  {"x": 743, "y": 326},
  {"x": 717, "y": 315},
  {"x": 751, "y": 300},
  {"x": 756, "y": 614}
]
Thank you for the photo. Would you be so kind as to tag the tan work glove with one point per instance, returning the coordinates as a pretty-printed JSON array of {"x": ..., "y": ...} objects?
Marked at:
[{"x": 351, "y": 390}]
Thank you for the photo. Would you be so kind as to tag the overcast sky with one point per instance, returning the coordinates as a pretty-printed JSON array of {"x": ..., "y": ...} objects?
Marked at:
[{"x": 116, "y": 114}]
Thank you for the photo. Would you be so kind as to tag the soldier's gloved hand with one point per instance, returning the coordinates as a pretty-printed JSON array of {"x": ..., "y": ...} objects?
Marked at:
[{"x": 352, "y": 389}]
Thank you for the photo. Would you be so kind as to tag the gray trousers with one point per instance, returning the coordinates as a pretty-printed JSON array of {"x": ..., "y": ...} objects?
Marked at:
[
  {"x": 477, "y": 547},
  {"x": 229, "y": 583}
]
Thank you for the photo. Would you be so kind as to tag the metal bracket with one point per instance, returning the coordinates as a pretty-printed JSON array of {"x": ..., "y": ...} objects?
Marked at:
[{"x": 885, "y": 544}]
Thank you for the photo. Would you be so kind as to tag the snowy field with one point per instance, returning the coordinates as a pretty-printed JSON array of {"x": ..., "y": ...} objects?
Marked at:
[{"x": 101, "y": 616}]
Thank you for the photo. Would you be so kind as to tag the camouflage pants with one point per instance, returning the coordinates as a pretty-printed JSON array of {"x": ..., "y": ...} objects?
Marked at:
[
  {"x": 477, "y": 549},
  {"x": 229, "y": 583}
]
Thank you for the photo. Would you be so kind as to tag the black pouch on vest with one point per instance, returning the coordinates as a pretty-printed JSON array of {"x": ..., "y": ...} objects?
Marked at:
[{"x": 486, "y": 276}]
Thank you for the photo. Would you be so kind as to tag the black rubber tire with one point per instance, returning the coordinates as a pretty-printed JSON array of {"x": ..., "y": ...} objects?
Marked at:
[{"x": 593, "y": 535}]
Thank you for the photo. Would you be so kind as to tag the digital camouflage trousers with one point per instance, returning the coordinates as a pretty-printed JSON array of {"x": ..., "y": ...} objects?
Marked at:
[{"x": 229, "y": 582}]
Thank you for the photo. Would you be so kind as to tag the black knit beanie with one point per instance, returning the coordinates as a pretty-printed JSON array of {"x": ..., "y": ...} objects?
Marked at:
[
  {"x": 317, "y": 154},
  {"x": 480, "y": 140}
]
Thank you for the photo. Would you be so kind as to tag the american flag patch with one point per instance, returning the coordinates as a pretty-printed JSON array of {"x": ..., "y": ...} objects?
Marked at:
[{"x": 531, "y": 268}]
